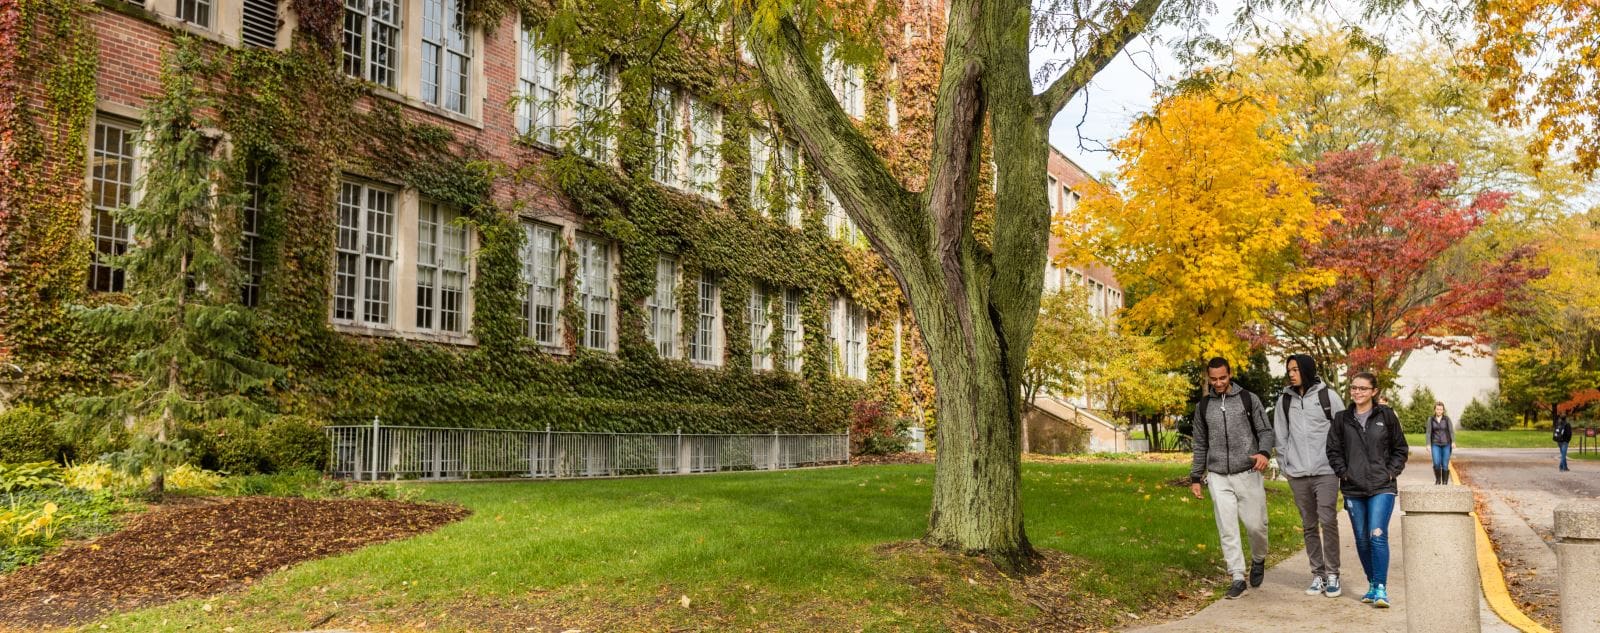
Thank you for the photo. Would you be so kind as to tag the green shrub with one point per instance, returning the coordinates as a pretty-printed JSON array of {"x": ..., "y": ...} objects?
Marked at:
[
  {"x": 1414, "y": 415},
  {"x": 874, "y": 432},
  {"x": 1490, "y": 417},
  {"x": 28, "y": 434},
  {"x": 291, "y": 442},
  {"x": 230, "y": 446}
]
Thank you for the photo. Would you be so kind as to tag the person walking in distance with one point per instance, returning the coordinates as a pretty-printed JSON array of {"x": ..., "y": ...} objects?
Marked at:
[
  {"x": 1232, "y": 441},
  {"x": 1305, "y": 412},
  {"x": 1562, "y": 432},
  {"x": 1442, "y": 441},
  {"x": 1367, "y": 450}
]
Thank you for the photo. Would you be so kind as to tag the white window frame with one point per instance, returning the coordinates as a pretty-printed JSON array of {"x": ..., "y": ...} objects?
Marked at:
[
  {"x": 591, "y": 102},
  {"x": 760, "y": 328},
  {"x": 669, "y": 135},
  {"x": 593, "y": 292},
  {"x": 371, "y": 25},
  {"x": 705, "y": 347},
  {"x": 541, "y": 283},
  {"x": 445, "y": 78},
  {"x": 250, "y": 240},
  {"x": 443, "y": 282},
  {"x": 108, "y": 235},
  {"x": 850, "y": 339},
  {"x": 661, "y": 309},
  {"x": 367, "y": 238},
  {"x": 846, "y": 81},
  {"x": 705, "y": 147},
  {"x": 538, "y": 89},
  {"x": 761, "y": 176},
  {"x": 840, "y": 226},
  {"x": 793, "y": 331},
  {"x": 792, "y": 166},
  {"x": 200, "y": 13}
]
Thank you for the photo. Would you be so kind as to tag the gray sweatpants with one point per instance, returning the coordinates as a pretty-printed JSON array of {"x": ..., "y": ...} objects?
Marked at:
[
  {"x": 1317, "y": 497},
  {"x": 1238, "y": 498}
]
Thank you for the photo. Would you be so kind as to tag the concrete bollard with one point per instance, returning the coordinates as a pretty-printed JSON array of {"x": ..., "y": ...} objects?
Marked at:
[
  {"x": 1577, "y": 531},
  {"x": 1441, "y": 559}
]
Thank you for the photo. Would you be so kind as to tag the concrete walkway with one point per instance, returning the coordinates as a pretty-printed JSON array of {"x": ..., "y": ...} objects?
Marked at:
[{"x": 1280, "y": 604}]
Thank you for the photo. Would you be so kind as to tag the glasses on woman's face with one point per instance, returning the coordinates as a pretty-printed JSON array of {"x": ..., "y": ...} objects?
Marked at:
[{"x": 1362, "y": 389}]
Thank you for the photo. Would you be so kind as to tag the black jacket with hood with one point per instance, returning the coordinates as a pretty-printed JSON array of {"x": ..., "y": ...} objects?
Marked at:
[{"x": 1367, "y": 461}]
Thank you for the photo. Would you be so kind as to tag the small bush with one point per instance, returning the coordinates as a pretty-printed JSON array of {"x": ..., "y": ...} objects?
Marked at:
[
  {"x": 874, "y": 432},
  {"x": 28, "y": 434},
  {"x": 1490, "y": 417},
  {"x": 292, "y": 483},
  {"x": 188, "y": 479},
  {"x": 230, "y": 446},
  {"x": 1414, "y": 415},
  {"x": 291, "y": 442}
]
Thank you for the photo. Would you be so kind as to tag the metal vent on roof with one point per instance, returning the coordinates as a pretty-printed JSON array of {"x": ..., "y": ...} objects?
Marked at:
[{"x": 261, "y": 23}]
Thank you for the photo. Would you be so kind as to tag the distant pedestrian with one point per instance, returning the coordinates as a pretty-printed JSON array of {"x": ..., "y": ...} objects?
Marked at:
[
  {"x": 1232, "y": 442},
  {"x": 1305, "y": 413},
  {"x": 1367, "y": 450},
  {"x": 1562, "y": 432},
  {"x": 1442, "y": 440}
]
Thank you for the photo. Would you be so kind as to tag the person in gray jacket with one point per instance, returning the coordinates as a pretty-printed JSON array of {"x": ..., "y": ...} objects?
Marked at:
[
  {"x": 1304, "y": 412},
  {"x": 1232, "y": 441}
]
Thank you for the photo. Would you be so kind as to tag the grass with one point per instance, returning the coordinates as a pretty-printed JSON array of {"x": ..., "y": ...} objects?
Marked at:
[
  {"x": 798, "y": 550},
  {"x": 1511, "y": 438}
]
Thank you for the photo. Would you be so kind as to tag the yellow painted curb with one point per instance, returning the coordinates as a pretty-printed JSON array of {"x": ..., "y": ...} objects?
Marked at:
[{"x": 1494, "y": 581}]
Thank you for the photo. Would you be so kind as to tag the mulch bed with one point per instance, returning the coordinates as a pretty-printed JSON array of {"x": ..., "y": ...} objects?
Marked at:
[{"x": 200, "y": 547}]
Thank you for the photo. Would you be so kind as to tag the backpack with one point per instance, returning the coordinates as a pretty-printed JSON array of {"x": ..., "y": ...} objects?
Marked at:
[
  {"x": 1322, "y": 398},
  {"x": 1250, "y": 404}
]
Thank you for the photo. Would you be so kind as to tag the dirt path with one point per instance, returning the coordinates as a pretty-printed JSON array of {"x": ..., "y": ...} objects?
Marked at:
[
  {"x": 1518, "y": 491},
  {"x": 1280, "y": 604}
]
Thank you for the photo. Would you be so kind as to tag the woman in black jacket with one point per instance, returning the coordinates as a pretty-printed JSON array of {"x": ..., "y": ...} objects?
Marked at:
[
  {"x": 1562, "y": 432},
  {"x": 1441, "y": 439},
  {"x": 1367, "y": 450}
]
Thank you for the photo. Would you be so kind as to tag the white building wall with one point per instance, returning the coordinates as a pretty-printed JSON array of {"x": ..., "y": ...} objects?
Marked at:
[{"x": 1456, "y": 379}]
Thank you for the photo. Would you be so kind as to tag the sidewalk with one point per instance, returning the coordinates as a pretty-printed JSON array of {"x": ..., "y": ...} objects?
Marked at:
[{"x": 1280, "y": 604}]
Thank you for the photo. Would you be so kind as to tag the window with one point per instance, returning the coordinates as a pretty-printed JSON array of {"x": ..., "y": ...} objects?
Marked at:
[
  {"x": 111, "y": 177},
  {"x": 365, "y": 254},
  {"x": 891, "y": 110},
  {"x": 371, "y": 32},
  {"x": 446, "y": 54},
  {"x": 705, "y": 150},
  {"x": 760, "y": 329},
  {"x": 196, "y": 12},
  {"x": 260, "y": 23},
  {"x": 541, "y": 289},
  {"x": 792, "y": 339},
  {"x": 591, "y": 101},
  {"x": 441, "y": 269},
  {"x": 850, "y": 336},
  {"x": 594, "y": 291},
  {"x": 703, "y": 346},
  {"x": 791, "y": 183},
  {"x": 845, "y": 80},
  {"x": 661, "y": 309},
  {"x": 760, "y": 174},
  {"x": 250, "y": 236},
  {"x": 539, "y": 92},
  {"x": 668, "y": 135},
  {"x": 839, "y": 224},
  {"x": 1069, "y": 200}
]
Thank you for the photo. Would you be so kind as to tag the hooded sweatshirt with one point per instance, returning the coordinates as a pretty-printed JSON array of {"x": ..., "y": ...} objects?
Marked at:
[
  {"x": 1301, "y": 427},
  {"x": 1225, "y": 442}
]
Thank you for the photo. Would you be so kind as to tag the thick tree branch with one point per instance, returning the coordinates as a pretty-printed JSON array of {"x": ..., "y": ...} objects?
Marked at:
[
  {"x": 889, "y": 215},
  {"x": 952, "y": 188},
  {"x": 1100, "y": 53}
]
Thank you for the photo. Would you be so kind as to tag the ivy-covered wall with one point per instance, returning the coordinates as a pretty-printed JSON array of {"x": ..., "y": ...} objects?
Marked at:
[{"x": 293, "y": 115}]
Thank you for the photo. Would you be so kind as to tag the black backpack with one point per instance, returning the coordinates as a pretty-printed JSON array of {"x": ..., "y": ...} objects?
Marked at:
[{"x": 1322, "y": 398}]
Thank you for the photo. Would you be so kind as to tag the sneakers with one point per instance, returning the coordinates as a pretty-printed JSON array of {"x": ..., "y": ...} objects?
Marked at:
[
  {"x": 1316, "y": 586},
  {"x": 1380, "y": 597},
  {"x": 1258, "y": 571},
  {"x": 1331, "y": 587},
  {"x": 1235, "y": 590},
  {"x": 1372, "y": 592}
]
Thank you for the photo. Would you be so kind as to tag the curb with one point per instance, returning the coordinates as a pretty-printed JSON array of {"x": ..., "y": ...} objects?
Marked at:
[{"x": 1494, "y": 581}]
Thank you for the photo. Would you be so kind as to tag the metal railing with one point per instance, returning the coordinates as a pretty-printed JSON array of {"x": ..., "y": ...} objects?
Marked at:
[{"x": 376, "y": 451}]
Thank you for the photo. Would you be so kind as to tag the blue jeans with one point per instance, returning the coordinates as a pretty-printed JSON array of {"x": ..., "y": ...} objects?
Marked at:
[
  {"x": 1369, "y": 519},
  {"x": 1441, "y": 456},
  {"x": 1563, "y": 446}
]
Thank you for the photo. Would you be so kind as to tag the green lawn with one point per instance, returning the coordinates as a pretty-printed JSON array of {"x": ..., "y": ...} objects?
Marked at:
[
  {"x": 1514, "y": 438},
  {"x": 793, "y": 550}
]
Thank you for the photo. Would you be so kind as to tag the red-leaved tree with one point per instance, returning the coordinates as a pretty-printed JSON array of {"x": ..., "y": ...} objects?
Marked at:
[{"x": 1407, "y": 275}]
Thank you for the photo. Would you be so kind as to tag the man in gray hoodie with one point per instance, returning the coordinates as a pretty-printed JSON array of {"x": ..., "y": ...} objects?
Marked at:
[
  {"x": 1303, "y": 415},
  {"x": 1232, "y": 440}
]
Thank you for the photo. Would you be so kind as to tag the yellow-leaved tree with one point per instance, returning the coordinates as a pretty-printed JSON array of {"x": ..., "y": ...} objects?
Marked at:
[{"x": 1204, "y": 223}]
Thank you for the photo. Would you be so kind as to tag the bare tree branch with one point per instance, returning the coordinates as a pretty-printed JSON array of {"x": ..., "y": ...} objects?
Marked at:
[{"x": 1095, "y": 58}]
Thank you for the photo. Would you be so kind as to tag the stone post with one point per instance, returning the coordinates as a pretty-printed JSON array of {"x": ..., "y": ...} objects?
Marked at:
[
  {"x": 1441, "y": 559},
  {"x": 1578, "y": 556}
]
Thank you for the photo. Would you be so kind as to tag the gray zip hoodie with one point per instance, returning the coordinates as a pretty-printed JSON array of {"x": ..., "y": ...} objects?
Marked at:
[
  {"x": 1225, "y": 442},
  {"x": 1302, "y": 431}
]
